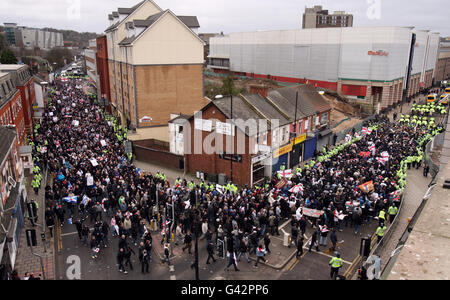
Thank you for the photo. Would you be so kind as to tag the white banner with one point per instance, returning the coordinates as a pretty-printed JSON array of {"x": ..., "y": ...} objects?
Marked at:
[
  {"x": 224, "y": 128},
  {"x": 94, "y": 162},
  {"x": 203, "y": 125}
]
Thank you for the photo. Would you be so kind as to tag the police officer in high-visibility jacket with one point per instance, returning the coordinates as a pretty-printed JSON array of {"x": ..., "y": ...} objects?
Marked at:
[
  {"x": 382, "y": 217},
  {"x": 393, "y": 210},
  {"x": 380, "y": 231},
  {"x": 336, "y": 264}
]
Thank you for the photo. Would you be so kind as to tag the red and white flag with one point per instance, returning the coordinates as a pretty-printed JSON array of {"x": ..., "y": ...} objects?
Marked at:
[
  {"x": 286, "y": 173},
  {"x": 296, "y": 188}
]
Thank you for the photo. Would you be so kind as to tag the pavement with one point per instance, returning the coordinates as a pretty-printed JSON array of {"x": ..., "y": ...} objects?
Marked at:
[
  {"x": 425, "y": 253},
  {"x": 170, "y": 173},
  {"x": 25, "y": 260}
]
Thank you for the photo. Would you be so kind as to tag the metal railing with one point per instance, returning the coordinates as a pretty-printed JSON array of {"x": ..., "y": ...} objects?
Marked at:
[{"x": 394, "y": 254}]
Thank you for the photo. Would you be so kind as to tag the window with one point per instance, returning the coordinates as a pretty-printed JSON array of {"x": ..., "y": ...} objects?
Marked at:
[
  {"x": 262, "y": 139},
  {"x": 275, "y": 137},
  {"x": 4, "y": 90},
  {"x": 307, "y": 124},
  {"x": 324, "y": 119}
]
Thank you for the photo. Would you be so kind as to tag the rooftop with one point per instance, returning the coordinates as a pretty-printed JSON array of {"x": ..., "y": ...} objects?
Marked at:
[
  {"x": 11, "y": 67},
  {"x": 7, "y": 136},
  {"x": 189, "y": 21}
]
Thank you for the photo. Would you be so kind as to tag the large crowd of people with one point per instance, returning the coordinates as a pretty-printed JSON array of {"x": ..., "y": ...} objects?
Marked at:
[{"x": 93, "y": 182}]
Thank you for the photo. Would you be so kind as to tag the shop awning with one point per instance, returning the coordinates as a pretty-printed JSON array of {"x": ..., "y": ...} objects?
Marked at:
[{"x": 325, "y": 132}]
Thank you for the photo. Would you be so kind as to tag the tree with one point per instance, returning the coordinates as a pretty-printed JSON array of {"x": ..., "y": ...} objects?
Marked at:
[
  {"x": 3, "y": 43},
  {"x": 58, "y": 55},
  {"x": 8, "y": 57},
  {"x": 228, "y": 86}
]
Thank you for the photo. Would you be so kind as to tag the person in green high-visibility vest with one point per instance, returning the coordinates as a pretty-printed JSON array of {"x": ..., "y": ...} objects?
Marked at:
[
  {"x": 234, "y": 189},
  {"x": 191, "y": 185},
  {"x": 283, "y": 167},
  {"x": 35, "y": 185},
  {"x": 336, "y": 264},
  {"x": 130, "y": 156},
  {"x": 380, "y": 231},
  {"x": 392, "y": 211},
  {"x": 202, "y": 184},
  {"x": 382, "y": 216}
]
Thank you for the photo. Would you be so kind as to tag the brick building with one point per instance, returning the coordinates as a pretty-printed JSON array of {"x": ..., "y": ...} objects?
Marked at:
[
  {"x": 150, "y": 77},
  {"x": 250, "y": 152},
  {"x": 13, "y": 196},
  {"x": 24, "y": 82},
  {"x": 317, "y": 17},
  {"x": 103, "y": 69},
  {"x": 11, "y": 106},
  {"x": 443, "y": 62}
]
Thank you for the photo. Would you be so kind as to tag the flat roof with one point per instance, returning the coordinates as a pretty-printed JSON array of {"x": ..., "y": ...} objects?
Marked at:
[{"x": 11, "y": 67}]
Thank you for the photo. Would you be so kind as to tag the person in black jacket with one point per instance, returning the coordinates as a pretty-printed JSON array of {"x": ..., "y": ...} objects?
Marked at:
[
  {"x": 210, "y": 249},
  {"x": 299, "y": 248},
  {"x": 294, "y": 235},
  {"x": 243, "y": 251},
  {"x": 333, "y": 239},
  {"x": 128, "y": 251},
  {"x": 187, "y": 242},
  {"x": 105, "y": 231},
  {"x": 302, "y": 223},
  {"x": 85, "y": 233},
  {"x": 144, "y": 258},
  {"x": 120, "y": 260},
  {"x": 314, "y": 241},
  {"x": 50, "y": 221},
  {"x": 267, "y": 242}
]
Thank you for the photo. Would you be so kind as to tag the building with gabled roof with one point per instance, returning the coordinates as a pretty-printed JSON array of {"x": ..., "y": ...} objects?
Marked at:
[
  {"x": 248, "y": 137},
  {"x": 149, "y": 74}
]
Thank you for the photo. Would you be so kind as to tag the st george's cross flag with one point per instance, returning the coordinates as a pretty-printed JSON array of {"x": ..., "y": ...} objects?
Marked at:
[
  {"x": 296, "y": 188},
  {"x": 286, "y": 173}
]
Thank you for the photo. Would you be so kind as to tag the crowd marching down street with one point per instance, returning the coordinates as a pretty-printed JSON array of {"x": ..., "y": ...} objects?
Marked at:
[{"x": 92, "y": 180}]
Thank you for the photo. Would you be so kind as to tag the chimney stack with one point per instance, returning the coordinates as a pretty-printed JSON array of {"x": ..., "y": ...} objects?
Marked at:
[{"x": 259, "y": 89}]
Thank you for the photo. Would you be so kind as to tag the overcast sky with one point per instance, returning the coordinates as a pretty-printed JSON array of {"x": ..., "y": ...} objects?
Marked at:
[{"x": 230, "y": 15}]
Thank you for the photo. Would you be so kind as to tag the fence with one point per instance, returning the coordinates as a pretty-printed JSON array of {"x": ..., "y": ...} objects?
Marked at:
[
  {"x": 378, "y": 248},
  {"x": 156, "y": 155}
]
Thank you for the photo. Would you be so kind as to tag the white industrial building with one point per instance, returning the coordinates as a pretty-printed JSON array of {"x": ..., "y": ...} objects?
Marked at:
[
  {"x": 34, "y": 37},
  {"x": 369, "y": 64}
]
